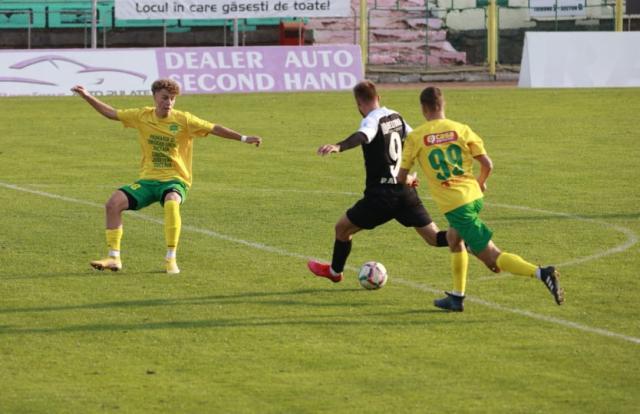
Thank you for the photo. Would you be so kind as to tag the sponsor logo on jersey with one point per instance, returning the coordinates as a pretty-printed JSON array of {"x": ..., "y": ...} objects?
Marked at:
[
  {"x": 392, "y": 124},
  {"x": 440, "y": 138}
]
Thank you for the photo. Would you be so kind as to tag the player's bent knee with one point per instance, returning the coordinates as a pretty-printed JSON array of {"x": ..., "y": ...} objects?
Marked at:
[
  {"x": 117, "y": 202},
  {"x": 345, "y": 230},
  {"x": 172, "y": 195},
  {"x": 489, "y": 257}
]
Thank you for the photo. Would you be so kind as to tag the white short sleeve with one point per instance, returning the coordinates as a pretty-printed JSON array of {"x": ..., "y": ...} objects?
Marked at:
[
  {"x": 369, "y": 126},
  {"x": 407, "y": 128}
]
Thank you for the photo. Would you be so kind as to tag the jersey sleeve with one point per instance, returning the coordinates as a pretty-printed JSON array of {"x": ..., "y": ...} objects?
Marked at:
[
  {"x": 407, "y": 128},
  {"x": 475, "y": 143},
  {"x": 128, "y": 117},
  {"x": 199, "y": 127},
  {"x": 369, "y": 127},
  {"x": 409, "y": 151}
]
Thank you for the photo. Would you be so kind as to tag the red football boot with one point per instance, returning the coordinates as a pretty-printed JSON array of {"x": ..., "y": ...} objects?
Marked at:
[{"x": 323, "y": 270}]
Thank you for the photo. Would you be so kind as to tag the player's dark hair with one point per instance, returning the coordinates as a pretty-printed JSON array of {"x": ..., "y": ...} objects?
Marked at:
[
  {"x": 365, "y": 91},
  {"x": 169, "y": 84},
  {"x": 432, "y": 98}
]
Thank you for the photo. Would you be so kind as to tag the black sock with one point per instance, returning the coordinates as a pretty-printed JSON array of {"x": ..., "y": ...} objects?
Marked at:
[
  {"x": 341, "y": 250},
  {"x": 441, "y": 239}
]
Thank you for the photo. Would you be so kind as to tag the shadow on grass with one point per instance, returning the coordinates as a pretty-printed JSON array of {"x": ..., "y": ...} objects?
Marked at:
[
  {"x": 387, "y": 319},
  {"x": 239, "y": 298},
  {"x": 51, "y": 275}
]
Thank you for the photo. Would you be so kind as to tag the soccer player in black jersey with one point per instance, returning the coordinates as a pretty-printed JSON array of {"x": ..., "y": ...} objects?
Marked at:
[{"x": 381, "y": 134}]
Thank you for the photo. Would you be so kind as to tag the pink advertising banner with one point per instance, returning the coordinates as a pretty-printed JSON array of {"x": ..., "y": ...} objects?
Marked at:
[
  {"x": 262, "y": 69},
  {"x": 197, "y": 70}
]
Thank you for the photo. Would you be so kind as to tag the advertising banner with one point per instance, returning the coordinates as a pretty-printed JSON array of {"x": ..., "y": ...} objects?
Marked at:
[
  {"x": 580, "y": 60},
  {"x": 557, "y": 8},
  {"x": 229, "y": 9},
  {"x": 197, "y": 70}
]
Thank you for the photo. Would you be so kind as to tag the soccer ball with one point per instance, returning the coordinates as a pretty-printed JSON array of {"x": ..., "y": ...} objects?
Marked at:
[{"x": 373, "y": 275}]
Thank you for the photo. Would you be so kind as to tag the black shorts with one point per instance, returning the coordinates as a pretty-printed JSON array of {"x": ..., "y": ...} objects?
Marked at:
[{"x": 385, "y": 202}]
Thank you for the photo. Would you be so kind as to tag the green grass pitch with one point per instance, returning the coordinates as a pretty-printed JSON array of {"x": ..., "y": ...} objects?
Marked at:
[{"x": 246, "y": 328}]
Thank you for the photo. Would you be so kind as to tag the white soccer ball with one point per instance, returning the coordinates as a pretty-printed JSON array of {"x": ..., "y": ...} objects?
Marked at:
[{"x": 373, "y": 275}]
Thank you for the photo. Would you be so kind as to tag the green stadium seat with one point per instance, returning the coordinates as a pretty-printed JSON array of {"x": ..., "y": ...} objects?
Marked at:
[
  {"x": 77, "y": 14},
  {"x": 485, "y": 3},
  {"x": 16, "y": 16},
  {"x": 264, "y": 22},
  {"x": 145, "y": 23},
  {"x": 206, "y": 22},
  {"x": 244, "y": 27},
  {"x": 273, "y": 21}
]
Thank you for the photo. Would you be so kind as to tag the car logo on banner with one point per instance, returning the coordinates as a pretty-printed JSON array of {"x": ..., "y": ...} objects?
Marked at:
[{"x": 55, "y": 72}]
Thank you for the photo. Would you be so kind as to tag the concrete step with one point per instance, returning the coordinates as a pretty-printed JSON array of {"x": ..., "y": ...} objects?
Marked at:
[
  {"x": 392, "y": 35},
  {"x": 439, "y": 53},
  {"x": 376, "y": 36}
]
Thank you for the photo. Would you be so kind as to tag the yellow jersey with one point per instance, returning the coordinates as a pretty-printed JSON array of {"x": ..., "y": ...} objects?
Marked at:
[
  {"x": 445, "y": 150},
  {"x": 166, "y": 143}
]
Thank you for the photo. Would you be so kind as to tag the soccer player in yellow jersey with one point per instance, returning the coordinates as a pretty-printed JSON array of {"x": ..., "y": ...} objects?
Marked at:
[
  {"x": 166, "y": 139},
  {"x": 445, "y": 150}
]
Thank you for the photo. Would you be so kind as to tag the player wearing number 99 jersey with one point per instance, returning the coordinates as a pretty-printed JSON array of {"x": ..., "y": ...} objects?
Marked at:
[
  {"x": 445, "y": 150},
  {"x": 380, "y": 135}
]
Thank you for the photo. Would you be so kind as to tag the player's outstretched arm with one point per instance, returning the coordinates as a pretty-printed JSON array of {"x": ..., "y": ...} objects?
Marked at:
[
  {"x": 106, "y": 110},
  {"x": 224, "y": 132},
  {"x": 486, "y": 166},
  {"x": 355, "y": 139}
]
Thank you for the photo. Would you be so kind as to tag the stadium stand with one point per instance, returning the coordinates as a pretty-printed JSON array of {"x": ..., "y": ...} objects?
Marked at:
[
  {"x": 77, "y": 14},
  {"x": 60, "y": 23},
  {"x": 17, "y": 15}
]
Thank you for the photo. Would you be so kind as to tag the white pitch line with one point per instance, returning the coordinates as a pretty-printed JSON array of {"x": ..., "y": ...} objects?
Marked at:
[
  {"x": 632, "y": 238},
  {"x": 529, "y": 314},
  {"x": 399, "y": 280}
]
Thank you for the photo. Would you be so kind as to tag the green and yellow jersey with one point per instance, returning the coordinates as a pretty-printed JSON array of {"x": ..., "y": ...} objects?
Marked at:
[
  {"x": 167, "y": 143},
  {"x": 445, "y": 150}
]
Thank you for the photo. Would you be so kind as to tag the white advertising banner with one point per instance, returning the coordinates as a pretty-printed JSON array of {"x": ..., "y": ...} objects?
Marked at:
[
  {"x": 55, "y": 71},
  {"x": 580, "y": 60},
  {"x": 557, "y": 8},
  {"x": 197, "y": 70},
  {"x": 229, "y": 9}
]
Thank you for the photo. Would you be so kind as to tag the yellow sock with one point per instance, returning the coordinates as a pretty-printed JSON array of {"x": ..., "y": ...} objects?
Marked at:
[
  {"x": 172, "y": 223},
  {"x": 459, "y": 265},
  {"x": 515, "y": 264},
  {"x": 113, "y": 239}
]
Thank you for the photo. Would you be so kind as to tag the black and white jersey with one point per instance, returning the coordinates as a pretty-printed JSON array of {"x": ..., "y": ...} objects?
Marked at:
[{"x": 385, "y": 130}]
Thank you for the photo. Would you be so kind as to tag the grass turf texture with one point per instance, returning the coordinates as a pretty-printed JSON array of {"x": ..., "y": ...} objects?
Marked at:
[{"x": 246, "y": 328}]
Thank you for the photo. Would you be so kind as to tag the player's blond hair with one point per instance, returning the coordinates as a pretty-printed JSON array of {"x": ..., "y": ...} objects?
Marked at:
[
  {"x": 365, "y": 91},
  {"x": 169, "y": 84}
]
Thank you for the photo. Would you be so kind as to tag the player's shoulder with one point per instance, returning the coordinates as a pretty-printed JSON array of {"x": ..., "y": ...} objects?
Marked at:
[
  {"x": 455, "y": 124},
  {"x": 380, "y": 113},
  {"x": 177, "y": 113},
  {"x": 139, "y": 110},
  {"x": 135, "y": 114}
]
